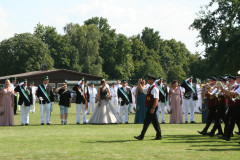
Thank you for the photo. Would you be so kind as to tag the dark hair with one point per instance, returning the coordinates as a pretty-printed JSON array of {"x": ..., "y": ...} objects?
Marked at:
[
  {"x": 174, "y": 81},
  {"x": 64, "y": 83}
]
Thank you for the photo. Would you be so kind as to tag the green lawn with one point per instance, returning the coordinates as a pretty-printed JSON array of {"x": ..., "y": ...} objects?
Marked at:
[{"x": 109, "y": 141}]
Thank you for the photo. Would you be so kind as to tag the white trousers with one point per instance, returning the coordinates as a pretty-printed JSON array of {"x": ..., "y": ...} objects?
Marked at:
[
  {"x": 91, "y": 104},
  {"x": 45, "y": 108},
  {"x": 114, "y": 102},
  {"x": 80, "y": 107},
  {"x": 33, "y": 105},
  {"x": 189, "y": 103},
  {"x": 161, "y": 108},
  {"x": 24, "y": 114},
  {"x": 125, "y": 109}
]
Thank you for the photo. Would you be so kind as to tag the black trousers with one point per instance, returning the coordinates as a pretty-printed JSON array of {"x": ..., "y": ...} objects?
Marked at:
[
  {"x": 151, "y": 118},
  {"x": 234, "y": 113},
  {"x": 220, "y": 115},
  {"x": 15, "y": 104},
  {"x": 211, "y": 116}
]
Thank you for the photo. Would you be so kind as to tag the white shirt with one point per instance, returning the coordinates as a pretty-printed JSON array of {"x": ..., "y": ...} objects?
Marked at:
[
  {"x": 238, "y": 90},
  {"x": 118, "y": 85},
  {"x": 113, "y": 91},
  {"x": 154, "y": 92},
  {"x": 34, "y": 89},
  {"x": 92, "y": 92}
]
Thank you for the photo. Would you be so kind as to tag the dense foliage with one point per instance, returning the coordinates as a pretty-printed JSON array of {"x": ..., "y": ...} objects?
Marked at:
[{"x": 96, "y": 48}]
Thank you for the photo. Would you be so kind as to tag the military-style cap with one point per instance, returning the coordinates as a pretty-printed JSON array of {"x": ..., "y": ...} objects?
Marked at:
[
  {"x": 25, "y": 80},
  {"x": 212, "y": 78},
  {"x": 83, "y": 79},
  {"x": 32, "y": 82},
  {"x": 191, "y": 77},
  {"x": 14, "y": 79},
  {"x": 44, "y": 78},
  {"x": 91, "y": 83},
  {"x": 232, "y": 77},
  {"x": 222, "y": 79},
  {"x": 151, "y": 77},
  {"x": 124, "y": 81},
  {"x": 113, "y": 83}
]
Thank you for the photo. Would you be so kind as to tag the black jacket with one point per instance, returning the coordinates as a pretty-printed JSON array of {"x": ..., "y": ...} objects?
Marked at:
[
  {"x": 189, "y": 91},
  {"x": 124, "y": 99},
  {"x": 48, "y": 90},
  {"x": 163, "y": 98},
  {"x": 79, "y": 98},
  {"x": 22, "y": 97}
]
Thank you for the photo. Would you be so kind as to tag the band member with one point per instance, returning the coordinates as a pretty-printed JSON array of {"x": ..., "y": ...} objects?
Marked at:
[
  {"x": 125, "y": 98},
  {"x": 152, "y": 103},
  {"x": 233, "y": 104},
  {"x": 190, "y": 97},
  {"x": 211, "y": 102},
  {"x": 114, "y": 97},
  {"x": 220, "y": 109},
  {"x": 46, "y": 99},
  {"x": 65, "y": 102},
  {"x": 82, "y": 99},
  {"x": 93, "y": 96},
  {"x": 163, "y": 94},
  {"x": 25, "y": 100},
  {"x": 34, "y": 90}
]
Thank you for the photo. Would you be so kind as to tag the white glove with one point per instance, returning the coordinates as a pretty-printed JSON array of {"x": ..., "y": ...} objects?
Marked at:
[
  {"x": 79, "y": 83},
  {"x": 20, "y": 84},
  {"x": 40, "y": 98}
]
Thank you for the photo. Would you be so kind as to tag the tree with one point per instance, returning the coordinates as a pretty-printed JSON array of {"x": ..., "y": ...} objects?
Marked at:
[
  {"x": 63, "y": 53},
  {"x": 23, "y": 53},
  {"x": 86, "y": 39},
  {"x": 219, "y": 31}
]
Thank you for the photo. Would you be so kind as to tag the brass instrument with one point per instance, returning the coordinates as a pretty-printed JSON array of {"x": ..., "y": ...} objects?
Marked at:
[{"x": 234, "y": 99}]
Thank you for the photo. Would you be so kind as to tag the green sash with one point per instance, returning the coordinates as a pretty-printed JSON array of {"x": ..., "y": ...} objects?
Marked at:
[
  {"x": 25, "y": 94},
  {"x": 190, "y": 86},
  {"x": 125, "y": 94},
  {"x": 45, "y": 93}
]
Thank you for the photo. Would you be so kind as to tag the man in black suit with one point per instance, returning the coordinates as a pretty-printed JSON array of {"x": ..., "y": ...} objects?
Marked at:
[
  {"x": 162, "y": 99},
  {"x": 46, "y": 99},
  {"x": 190, "y": 97},
  {"x": 25, "y": 100},
  {"x": 125, "y": 98},
  {"x": 82, "y": 99}
]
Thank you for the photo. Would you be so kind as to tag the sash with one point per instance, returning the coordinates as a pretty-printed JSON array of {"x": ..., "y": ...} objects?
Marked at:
[
  {"x": 125, "y": 94},
  {"x": 25, "y": 94},
  {"x": 84, "y": 96},
  {"x": 190, "y": 86},
  {"x": 160, "y": 88},
  {"x": 45, "y": 93}
]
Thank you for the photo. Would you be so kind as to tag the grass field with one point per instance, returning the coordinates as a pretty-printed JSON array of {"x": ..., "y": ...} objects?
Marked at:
[{"x": 109, "y": 141}]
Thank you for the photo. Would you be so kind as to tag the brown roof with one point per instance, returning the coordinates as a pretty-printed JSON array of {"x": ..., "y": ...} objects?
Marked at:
[{"x": 47, "y": 72}]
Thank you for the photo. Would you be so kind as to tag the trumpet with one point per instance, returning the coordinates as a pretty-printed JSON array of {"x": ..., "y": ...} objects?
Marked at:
[{"x": 235, "y": 98}]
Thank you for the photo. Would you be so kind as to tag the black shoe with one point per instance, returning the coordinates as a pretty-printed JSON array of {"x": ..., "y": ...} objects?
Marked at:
[
  {"x": 210, "y": 134},
  {"x": 77, "y": 123},
  {"x": 219, "y": 134},
  {"x": 138, "y": 137},
  {"x": 84, "y": 123},
  {"x": 186, "y": 121},
  {"x": 163, "y": 122},
  {"x": 192, "y": 122},
  {"x": 26, "y": 124},
  {"x": 202, "y": 132},
  {"x": 157, "y": 138},
  {"x": 126, "y": 123},
  {"x": 237, "y": 133},
  {"x": 48, "y": 123},
  {"x": 22, "y": 124},
  {"x": 42, "y": 123}
]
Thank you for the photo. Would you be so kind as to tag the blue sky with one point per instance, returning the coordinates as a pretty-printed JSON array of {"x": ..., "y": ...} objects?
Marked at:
[{"x": 171, "y": 18}]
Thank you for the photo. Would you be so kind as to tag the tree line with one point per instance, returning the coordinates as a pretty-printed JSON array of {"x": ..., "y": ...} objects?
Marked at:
[{"x": 96, "y": 48}]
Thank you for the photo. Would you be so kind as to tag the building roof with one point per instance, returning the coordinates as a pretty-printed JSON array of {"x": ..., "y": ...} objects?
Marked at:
[{"x": 35, "y": 73}]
